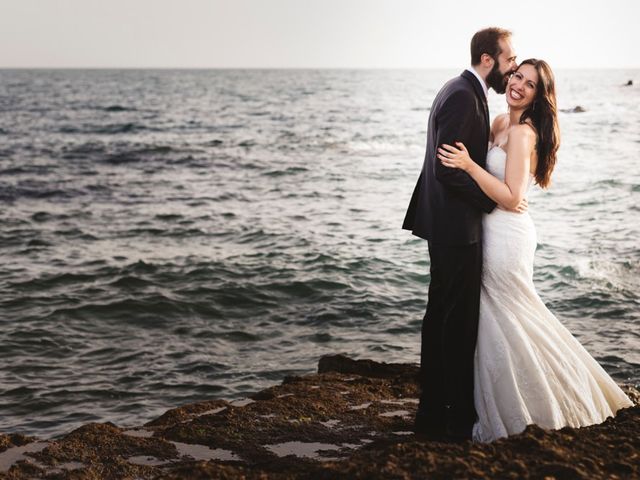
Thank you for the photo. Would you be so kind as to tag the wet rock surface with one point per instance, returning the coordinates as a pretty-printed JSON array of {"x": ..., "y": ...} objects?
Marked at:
[{"x": 352, "y": 419}]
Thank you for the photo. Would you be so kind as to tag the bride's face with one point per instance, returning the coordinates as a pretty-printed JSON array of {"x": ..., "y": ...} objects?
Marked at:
[{"x": 521, "y": 88}]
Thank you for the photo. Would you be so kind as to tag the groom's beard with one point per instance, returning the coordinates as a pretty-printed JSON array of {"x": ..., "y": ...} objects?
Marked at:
[{"x": 497, "y": 80}]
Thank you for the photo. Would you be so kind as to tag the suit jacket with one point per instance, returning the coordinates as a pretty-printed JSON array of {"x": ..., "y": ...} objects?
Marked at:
[{"x": 447, "y": 204}]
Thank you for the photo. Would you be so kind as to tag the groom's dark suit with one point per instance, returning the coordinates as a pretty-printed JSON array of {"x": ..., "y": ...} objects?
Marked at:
[{"x": 446, "y": 209}]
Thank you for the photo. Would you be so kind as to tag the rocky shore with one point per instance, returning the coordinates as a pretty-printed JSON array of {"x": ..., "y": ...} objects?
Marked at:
[{"x": 351, "y": 420}]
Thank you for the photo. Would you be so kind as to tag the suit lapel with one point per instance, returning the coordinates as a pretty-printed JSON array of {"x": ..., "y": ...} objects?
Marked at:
[{"x": 479, "y": 92}]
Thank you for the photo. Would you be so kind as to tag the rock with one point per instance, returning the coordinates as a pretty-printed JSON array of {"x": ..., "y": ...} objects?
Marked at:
[
  {"x": 576, "y": 109},
  {"x": 368, "y": 368},
  {"x": 631, "y": 392},
  {"x": 351, "y": 420},
  {"x": 14, "y": 440},
  {"x": 629, "y": 83}
]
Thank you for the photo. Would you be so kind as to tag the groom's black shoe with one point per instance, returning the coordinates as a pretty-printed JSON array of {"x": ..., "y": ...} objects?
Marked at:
[
  {"x": 456, "y": 429},
  {"x": 457, "y": 433},
  {"x": 428, "y": 426}
]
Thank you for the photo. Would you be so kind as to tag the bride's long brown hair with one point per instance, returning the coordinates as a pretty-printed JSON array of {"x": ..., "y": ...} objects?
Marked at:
[{"x": 543, "y": 113}]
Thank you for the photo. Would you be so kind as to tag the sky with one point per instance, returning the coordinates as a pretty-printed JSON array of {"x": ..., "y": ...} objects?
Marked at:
[{"x": 310, "y": 33}]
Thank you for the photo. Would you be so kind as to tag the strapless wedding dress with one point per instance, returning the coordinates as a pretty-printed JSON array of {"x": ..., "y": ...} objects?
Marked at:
[{"x": 528, "y": 367}]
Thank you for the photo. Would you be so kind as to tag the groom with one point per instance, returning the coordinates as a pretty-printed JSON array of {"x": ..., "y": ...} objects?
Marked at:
[{"x": 446, "y": 210}]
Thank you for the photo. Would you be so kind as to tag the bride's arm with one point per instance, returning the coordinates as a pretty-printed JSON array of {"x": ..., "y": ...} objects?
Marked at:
[{"x": 507, "y": 194}]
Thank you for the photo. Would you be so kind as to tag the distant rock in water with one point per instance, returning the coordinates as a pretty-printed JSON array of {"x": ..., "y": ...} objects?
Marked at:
[
  {"x": 351, "y": 420},
  {"x": 629, "y": 83},
  {"x": 576, "y": 109},
  {"x": 117, "y": 108}
]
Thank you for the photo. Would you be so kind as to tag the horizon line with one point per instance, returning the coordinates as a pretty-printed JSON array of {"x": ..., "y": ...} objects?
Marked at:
[{"x": 280, "y": 68}]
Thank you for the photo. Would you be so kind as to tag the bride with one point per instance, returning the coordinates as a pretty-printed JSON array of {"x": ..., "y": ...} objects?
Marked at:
[{"x": 528, "y": 368}]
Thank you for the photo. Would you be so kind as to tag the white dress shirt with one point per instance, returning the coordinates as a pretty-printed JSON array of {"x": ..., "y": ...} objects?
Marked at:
[{"x": 481, "y": 80}]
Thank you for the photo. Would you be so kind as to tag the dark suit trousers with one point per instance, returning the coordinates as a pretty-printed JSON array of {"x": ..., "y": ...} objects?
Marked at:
[{"x": 449, "y": 332}]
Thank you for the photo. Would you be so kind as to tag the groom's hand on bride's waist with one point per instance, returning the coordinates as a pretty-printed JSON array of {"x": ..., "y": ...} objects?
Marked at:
[{"x": 522, "y": 207}]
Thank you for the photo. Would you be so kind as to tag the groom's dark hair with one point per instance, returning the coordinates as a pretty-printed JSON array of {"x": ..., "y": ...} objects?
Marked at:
[{"x": 486, "y": 41}]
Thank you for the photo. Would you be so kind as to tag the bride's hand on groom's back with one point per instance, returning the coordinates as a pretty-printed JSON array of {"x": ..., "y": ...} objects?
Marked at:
[{"x": 453, "y": 157}]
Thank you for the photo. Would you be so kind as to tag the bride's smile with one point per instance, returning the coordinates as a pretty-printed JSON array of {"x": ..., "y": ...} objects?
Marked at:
[{"x": 521, "y": 88}]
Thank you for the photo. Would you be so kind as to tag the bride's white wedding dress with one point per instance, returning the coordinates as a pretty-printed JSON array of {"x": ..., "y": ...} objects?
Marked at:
[{"x": 528, "y": 366}]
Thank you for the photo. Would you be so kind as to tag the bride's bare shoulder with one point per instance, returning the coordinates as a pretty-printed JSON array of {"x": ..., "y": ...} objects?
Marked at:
[
  {"x": 498, "y": 125},
  {"x": 523, "y": 131},
  {"x": 500, "y": 122}
]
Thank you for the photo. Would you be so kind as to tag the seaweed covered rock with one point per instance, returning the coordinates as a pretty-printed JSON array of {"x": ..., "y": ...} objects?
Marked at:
[{"x": 351, "y": 420}]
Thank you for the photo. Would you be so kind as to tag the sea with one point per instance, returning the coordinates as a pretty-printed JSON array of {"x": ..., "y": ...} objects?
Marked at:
[{"x": 174, "y": 236}]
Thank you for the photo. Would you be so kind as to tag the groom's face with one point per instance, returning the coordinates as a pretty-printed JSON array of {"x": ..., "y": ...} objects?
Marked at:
[{"x": 504, "y": 65}]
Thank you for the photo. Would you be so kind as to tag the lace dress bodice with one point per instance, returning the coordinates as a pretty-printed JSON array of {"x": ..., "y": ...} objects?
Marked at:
[{"x": 497, "y": 164}]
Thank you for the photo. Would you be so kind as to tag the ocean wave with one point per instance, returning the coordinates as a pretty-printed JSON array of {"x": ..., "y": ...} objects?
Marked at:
[
  {"x": 285, "y": 172},
  {"x": 12, "y": 193},
  {"x": 109, "y": 129}
]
